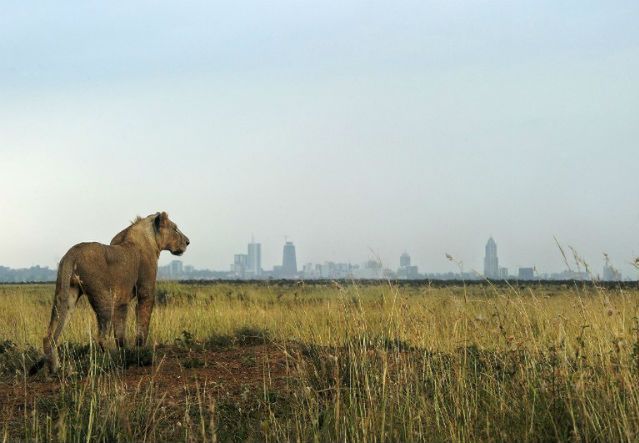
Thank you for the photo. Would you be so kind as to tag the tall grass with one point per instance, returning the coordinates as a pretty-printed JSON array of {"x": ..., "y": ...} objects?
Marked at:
[{"x": 363, "y": 363}]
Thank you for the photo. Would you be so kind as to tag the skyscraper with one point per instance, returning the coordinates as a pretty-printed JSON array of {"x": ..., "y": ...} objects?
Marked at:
[
  {"x": 406, "y": 271},
  {"x": 238, "y": 268},
  {"x": 404, "y": 260},
  {"x": 175, "y": 268},
  {"x": 289, "y": 260},
  {"x": 526, "y": 274},
  {"x": 609, "y": 272},
  {"x": 254, "y": 259},
  {"x": 491, "y": 263}
]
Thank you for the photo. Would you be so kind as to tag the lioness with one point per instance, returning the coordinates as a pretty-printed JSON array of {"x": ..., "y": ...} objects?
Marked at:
[{"x": 110, "y": 276}]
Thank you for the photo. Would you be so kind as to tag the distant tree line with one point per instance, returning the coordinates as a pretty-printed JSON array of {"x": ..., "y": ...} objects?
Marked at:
[{"x": 34, "y": 273}]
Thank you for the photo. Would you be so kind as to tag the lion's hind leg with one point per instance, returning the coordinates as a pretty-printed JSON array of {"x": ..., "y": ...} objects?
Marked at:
[
  {"x": 104, "y": 324},
  {"x": 119, "y": 324},
  {"x": 62, "y": 306}
]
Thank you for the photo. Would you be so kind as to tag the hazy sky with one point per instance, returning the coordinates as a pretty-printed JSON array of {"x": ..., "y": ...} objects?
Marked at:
[{"x": 355, "y": 128}]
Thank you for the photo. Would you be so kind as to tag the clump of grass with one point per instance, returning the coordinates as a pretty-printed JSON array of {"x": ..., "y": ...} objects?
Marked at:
[
  {"x": 248, "y": 336},
  {"x": 243, "y": 336},
  {"x": 14, "y": 360}
]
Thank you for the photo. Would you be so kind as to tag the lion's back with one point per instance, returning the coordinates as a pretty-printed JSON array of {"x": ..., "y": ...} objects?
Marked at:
[{"x": 98, "y": 264}]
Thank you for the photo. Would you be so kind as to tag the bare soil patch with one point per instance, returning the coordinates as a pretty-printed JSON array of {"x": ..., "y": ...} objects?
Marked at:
[{"x": 235, "y": 375}]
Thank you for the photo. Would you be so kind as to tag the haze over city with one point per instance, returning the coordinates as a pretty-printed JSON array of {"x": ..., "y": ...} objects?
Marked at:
[{"x": 357, "y": 130}]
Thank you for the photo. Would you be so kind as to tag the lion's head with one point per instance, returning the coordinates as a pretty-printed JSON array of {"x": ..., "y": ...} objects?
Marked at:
[{"x": 168, "y": 236}]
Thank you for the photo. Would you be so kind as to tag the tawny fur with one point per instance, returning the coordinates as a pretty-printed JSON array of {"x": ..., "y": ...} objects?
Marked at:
[{"x": 111, "y": 276}]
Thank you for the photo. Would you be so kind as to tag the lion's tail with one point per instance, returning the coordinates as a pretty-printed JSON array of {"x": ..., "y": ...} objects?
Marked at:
[
  {"x": 62, "y": 286},
  {"x": 65, "y": 271}
]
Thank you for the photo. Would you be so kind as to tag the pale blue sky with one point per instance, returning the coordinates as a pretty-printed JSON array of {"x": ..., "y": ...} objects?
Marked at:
[{"x": 355, "y": 128}]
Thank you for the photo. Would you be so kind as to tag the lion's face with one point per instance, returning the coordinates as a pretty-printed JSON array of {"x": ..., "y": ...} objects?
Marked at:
[{"x": 170, "y": 238}]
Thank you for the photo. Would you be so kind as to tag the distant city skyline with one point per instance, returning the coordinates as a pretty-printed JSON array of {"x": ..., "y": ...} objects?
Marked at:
[
  {"x": 371, "y": 269},
  {"x": 249, "y": 266},
  {"x": 574, "y": 268}
]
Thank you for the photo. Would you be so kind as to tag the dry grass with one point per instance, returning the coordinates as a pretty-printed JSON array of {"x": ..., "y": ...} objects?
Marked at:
[{"x": 331, "y": 362}]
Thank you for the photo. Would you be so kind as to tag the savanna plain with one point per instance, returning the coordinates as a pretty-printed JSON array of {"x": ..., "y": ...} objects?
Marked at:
[{"x": 333, "y": 361}]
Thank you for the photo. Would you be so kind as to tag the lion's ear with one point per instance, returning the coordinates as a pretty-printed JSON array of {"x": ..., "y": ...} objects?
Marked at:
[
  {"x": 157, "y": 220},
  {"x": 161, "y": 219}
]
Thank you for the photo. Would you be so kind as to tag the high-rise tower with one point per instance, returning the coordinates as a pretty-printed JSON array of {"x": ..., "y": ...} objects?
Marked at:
[
  {"x": 404, "y": 260},
  {"x": 289, "y": 260},
  {"x": 609, "y": 272},
  {"x": 491, "y": 263},
  {"x": 406, "y": 271},
  {"x": 254, "y": 259}
]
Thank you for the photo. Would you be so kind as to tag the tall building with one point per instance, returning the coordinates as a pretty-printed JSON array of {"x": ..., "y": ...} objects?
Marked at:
[
  {"x": 610, "y": 273},
  {"x": 526, "y": 274},
  {"x": 406, "y": 271},
  {"x": 254, "y": 259},
  {"x": 175, "y": 268},
  {"x": 238, "y": 268},
  {"x": 404, "y": 260},
  {"x": 491, "y": 263},
  {"x": 289, "y": 260}
]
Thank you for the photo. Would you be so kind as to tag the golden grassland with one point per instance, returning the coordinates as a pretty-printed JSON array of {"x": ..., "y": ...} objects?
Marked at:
[{"x": 328, "y": 362}]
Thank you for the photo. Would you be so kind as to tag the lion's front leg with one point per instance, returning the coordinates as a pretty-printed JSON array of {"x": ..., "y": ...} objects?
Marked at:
[{"x": 143, "y": 312}]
